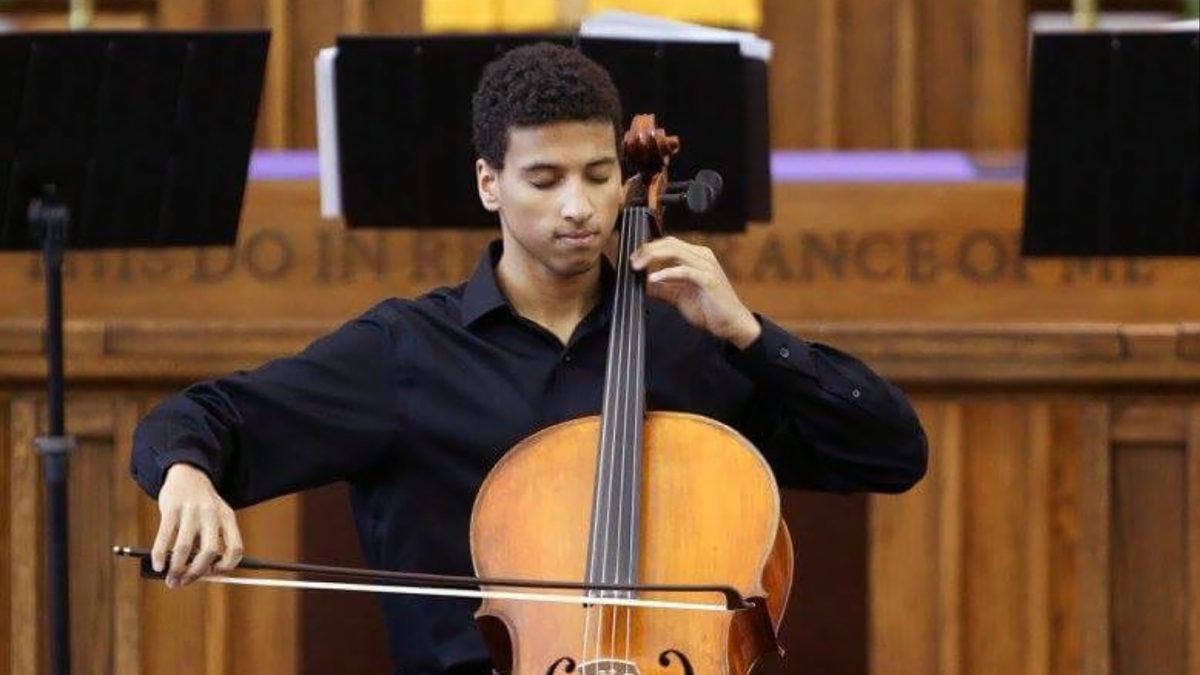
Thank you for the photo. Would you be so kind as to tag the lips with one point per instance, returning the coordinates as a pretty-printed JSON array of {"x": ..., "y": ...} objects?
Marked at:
[{"x": 578, "y": 237}]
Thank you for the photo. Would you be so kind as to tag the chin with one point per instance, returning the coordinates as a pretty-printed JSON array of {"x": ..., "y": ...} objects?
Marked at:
[{"x": 572, "y": 265}]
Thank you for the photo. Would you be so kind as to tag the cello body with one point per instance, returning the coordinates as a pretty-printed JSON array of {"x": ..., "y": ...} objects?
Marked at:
[{"x": 710, "y": 514}]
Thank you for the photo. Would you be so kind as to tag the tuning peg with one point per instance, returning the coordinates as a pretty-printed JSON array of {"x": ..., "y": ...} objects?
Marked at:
[
  {"x": 710, "y": 178},
  {"x": 700, "y": 194}
]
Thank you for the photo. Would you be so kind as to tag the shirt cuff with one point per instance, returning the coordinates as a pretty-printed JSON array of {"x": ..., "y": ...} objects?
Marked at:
[
  {"x": 775, "y": 348},
  {"x": 164, "y": 461}
]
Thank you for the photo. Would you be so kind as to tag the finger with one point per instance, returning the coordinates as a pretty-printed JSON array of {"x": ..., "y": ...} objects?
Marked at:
[
  {"x": 209, "y": 549},
  {"x": 669, "y": 291},
  {"x": 182, "y": 549},
  {"x": 233, "y": 543},
  {"x": 167, "y": 524},
  {"x": 663, "y": 253},
  {"x": 665, "y": 244},
  {"x": 680, "y": 273}
]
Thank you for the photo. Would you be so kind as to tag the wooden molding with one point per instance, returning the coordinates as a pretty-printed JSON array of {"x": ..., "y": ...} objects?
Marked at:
[{"x": 909, "y": 353}]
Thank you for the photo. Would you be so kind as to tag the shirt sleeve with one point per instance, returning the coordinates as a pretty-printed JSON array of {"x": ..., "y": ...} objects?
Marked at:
[
  {"x": 824, "y": 420},
  {"x": 319, "y": 416}
]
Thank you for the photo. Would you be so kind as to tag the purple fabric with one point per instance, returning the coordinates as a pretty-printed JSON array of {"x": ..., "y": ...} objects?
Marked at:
[
  {"x": 805, "y": 166},
  {"x": 283, "y": 165},
  {"x": 786, "y": 166}
]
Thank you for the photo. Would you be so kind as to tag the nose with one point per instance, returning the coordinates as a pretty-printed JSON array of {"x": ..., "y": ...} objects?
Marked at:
[{"x": 576, "y": 206}]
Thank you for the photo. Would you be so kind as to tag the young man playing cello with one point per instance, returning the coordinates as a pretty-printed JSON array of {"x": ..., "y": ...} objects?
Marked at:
[{"x": 413, "y": 402}]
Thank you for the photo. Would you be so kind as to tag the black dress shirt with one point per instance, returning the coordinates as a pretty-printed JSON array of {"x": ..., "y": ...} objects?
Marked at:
[{"x": 413, "y": 402}]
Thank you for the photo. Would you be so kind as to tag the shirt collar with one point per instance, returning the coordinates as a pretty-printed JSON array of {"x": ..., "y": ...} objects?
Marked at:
[{"x": 482, "y": 294}]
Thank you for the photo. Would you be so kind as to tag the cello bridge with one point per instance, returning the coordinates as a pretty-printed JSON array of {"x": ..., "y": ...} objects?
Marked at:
[{"x": 609, "y": 667}]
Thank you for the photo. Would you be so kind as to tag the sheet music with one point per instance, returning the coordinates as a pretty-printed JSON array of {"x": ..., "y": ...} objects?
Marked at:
[
  {"x": 633, "y": 26},
  {"x": 327, "y": 140}
]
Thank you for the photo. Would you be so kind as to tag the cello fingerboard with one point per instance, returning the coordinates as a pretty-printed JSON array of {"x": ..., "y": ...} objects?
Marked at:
[{"x": 616, "y": 514}]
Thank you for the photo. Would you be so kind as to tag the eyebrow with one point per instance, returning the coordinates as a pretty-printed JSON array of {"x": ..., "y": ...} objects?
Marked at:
[{"x": 550, "y": 166}]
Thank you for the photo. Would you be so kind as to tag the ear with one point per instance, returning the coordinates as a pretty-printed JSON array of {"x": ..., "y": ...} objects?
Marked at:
[{"x": 487, "y": 179}]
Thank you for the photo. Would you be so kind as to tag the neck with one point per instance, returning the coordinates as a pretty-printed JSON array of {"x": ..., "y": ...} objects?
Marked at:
[{"x": 554, "y": 301}]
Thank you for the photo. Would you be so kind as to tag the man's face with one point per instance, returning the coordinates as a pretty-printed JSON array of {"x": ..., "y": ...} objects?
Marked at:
[{"x": 558, "y": 194}]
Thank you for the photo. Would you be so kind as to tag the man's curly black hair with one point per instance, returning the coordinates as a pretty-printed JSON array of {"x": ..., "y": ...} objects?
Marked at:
[{"x": 539, "y": 84}]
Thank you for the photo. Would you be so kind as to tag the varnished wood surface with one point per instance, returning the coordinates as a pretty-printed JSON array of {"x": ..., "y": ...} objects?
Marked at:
[
  {"x": 731, "y": 509},
  {"x": 1055, "y": 395}
]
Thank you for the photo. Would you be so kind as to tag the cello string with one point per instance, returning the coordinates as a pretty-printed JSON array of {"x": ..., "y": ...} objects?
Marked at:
[
  {"x": 620, "y": 407},
  {"x": 620, "y": 401},
  {"x": 589, "y": 609},
  {"x": 595, "y": 568},
  {"x": 638, "y": 413},
  {"x": 628, "y": 430},
  {"x": 641, "y": 408}
]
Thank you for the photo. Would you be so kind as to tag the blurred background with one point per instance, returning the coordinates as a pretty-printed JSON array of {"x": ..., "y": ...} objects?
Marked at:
[{"x": 1058, "y": 531}]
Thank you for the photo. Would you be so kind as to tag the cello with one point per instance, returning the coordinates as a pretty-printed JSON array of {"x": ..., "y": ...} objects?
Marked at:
[{"x": 633, "y": 498}]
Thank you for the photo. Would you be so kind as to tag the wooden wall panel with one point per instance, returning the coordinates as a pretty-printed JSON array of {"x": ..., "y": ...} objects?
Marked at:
[
  {"x": 949, "y": 483},
  {"x": 867, "y": 32},
  {"x": 944, "y": 73},
  {"x": 208, "y": 629},
  {"x": 172, "y": 623},
  {"x": 283, "y": 102},
  {"x": 316, "y": 27},
  {"x": 256, "y": 616},
  {"x": 1149, "y": 565},
  {"x": 90, "y": 528},
  {"x": 830, "y": 579},
  {"x": 128, "y": 501},
  {"x": 235, "y": 13},
  {"x": 1095, "y": 563},
  {"x": 185, "y": 14},
  {"x": 905, "y": 74},
  {"x": 1066, "y": 422},
  {"x": 905, "y": 55},
  {"x": 801, "y": 65},
  {"x": 998, "y": 561},
  {"x": 998, "y": 73},
  {"x": 27, "y": 624},
  {"x": 1192, "y": 538},
  {"x": 995, "y": 538},
  {"x": 1038, "y": 531},
  {"x": 393, "y": 16},
  {"x": 916, "y": 556},
  {"x": 5, "y": 525},
  {"x": 1037, "y": 510},
  {"x": 121, "y": 623}
]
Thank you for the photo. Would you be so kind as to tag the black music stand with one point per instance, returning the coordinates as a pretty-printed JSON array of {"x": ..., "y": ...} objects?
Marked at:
[
  {"x": 116, "y": 139},
  {"x": 1113, "y": 165},
  {"x": 394, "y": 118}
]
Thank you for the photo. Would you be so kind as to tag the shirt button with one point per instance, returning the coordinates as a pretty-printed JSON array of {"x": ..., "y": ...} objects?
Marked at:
[
  {"x": 567, "y": 358},
  {"x": 856, "y": 393},
  {"x": 784, "y": 352}
]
